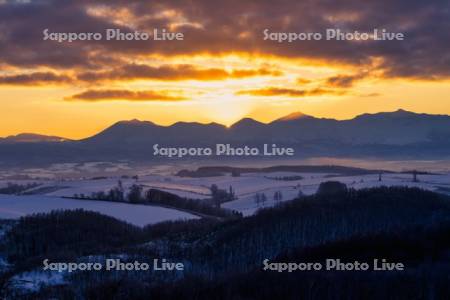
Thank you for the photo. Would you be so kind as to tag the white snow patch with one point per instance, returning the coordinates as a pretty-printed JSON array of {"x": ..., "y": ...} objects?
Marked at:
[{"x": 13, "y": 207}]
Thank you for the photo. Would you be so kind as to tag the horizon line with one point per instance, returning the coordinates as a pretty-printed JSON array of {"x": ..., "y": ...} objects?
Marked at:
[{"x": 226, "y": 126}]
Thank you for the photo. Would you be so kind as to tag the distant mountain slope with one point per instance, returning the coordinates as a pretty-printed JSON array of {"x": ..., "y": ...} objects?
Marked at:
[
  {"x": 388, "y": 134},
  {"x": 392, "y": 128},
  {"x": 399, "y": 127},
  {"x": 143, "y": 132},
  {"x": 31, "y": 138},
  {"x": 293, "y": 116}
]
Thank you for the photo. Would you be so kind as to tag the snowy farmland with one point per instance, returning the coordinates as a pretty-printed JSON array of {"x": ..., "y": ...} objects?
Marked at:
[
  {"x": 311, "y": 181},
  {"x": 13, "y": 207},
  {"x": 48, "y": 195}
]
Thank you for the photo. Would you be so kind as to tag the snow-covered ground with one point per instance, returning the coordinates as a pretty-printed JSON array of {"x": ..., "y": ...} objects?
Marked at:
[
  {"x": 13, "y": 207},
  {"x": 244, "y": 186},
  {"x": 66, "y": 180},
  {"x": 310, "y": 183}
]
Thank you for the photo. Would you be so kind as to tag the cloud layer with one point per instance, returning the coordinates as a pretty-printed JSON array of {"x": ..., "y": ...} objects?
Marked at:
[
  {"x": 36, "y": 78},
  {"x": 215, "y": 28},
  {"x": 275, "y": 91},
  {"x": 212, "y": 26},
  {"x": 125, "y": 95},
  {"x": 172, "y": 72}
]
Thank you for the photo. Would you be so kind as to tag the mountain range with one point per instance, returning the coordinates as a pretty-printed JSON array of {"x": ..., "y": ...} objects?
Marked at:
[{"x": 388, "y": 134}]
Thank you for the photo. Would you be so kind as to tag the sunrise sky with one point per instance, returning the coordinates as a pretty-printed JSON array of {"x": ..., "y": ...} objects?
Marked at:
[{"x": 223, "y": 70}]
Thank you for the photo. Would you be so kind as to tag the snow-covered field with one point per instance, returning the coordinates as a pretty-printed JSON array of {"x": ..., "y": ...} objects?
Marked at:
[
  {"x": 13, "y": 207},
  {"x": 48, "y": 195},
  {"x": 310, "y": 183},
  {"x": 66, "y": 180}
]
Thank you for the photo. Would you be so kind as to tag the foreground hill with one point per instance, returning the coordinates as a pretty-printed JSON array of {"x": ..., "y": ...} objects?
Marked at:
[{"x": 224, "y": 260}]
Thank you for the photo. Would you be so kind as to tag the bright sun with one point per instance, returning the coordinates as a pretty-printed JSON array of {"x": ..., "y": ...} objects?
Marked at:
[{"x": 228, "y": 108}]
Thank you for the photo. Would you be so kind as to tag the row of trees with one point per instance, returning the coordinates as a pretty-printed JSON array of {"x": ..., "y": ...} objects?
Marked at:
[
  {"x": 117, "y": 194},
  {"x": 286, "y": 178},
  {"x": 137, "y": 195},
  {"x": 261, "y": 198},
  {"x": 219, "y": 196}
]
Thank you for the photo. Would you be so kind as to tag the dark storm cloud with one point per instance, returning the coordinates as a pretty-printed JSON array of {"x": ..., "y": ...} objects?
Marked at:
[
  {"x": 21, "y": 35},
  {"x": 212, "y": 26}
]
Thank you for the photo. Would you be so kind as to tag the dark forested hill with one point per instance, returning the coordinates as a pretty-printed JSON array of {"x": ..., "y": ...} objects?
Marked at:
[{"x": 224, "y": 260}]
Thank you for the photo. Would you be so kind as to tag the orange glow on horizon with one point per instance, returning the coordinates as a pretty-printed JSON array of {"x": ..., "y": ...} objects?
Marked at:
[{"x": 42, "y": 108}]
